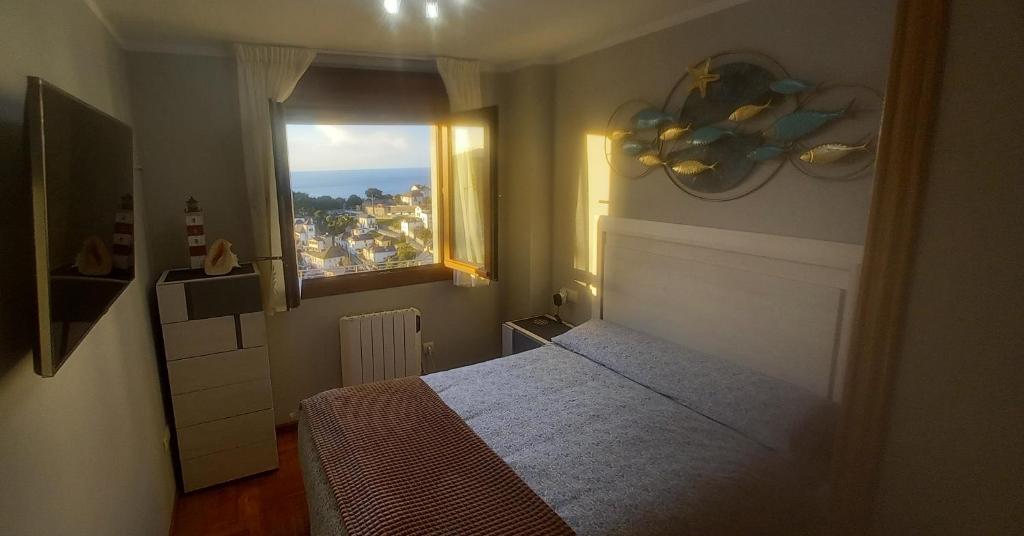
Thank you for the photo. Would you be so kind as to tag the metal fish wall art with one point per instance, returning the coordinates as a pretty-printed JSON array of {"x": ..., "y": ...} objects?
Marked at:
[
  {"x": 736, "y": 118},
  {"x": 673, "y": 131},
  {"x": 790, "y": 86},
  {"x": 650, "y": 159},
  {"x": 692, "y": 167},
  {"x": 766, "y": 152},
  {"x": 748, "y": 111},
  {"x": 708, "y": 135},
  {"x": 634, "y": 147},
  {"x": 620, "y": 134},
  {"x": 651, "y": 118},
  {"x": 801, "y": 123},
  {"x": 828, "y": 153}
]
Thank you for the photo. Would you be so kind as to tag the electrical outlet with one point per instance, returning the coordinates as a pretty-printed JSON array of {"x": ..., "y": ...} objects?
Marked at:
[{"x": 428, "y": 349}]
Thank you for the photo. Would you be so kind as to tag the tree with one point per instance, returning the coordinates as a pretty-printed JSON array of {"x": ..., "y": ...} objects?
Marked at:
[
  {"x": 423, "y": 235},
  {"x": 374, "y": 193},
  {"x": 320, "y": 221},
  {"x": 353, "y": 201},
  {"x": 406, "y": 252},
  {"x": 337, "y": 225}
]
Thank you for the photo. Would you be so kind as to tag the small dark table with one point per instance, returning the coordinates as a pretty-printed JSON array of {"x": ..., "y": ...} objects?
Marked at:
[{"x": 529, "y": 333}]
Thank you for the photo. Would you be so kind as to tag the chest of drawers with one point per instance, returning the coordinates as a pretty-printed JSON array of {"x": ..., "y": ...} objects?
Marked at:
[{"x": 218, "y": 371}]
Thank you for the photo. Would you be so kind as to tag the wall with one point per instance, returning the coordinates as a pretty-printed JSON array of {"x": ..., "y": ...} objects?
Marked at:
[
  {"x": 82, "y": 452},
  {"x": 186, "y": 110},
  {"x": 954, "y": 460},
  {"x": 190, "y": 144},
  {"x": 847, "y": 42},
  {"x": 526, "y": 100}
]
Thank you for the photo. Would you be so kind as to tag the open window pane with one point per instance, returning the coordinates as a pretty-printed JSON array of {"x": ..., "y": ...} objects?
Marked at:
[
  {"x": 471, "y": 192},
  {"x": 362, "y": 197}
]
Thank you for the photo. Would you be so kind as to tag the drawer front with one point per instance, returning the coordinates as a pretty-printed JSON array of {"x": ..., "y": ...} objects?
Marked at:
[
  {"x": 226, "y": 434},
  {"x": 221, "y": 402},
  {"x": 170, "y": 300},
  {"x": 522, "y": 342},
  {"x": 209, "y": 298},
  {"x": 228, "y": 465},
  {"x": 200, "y": 337},
  {"x": 215, "y": 370},
  {"x": 254, "y": 329}
]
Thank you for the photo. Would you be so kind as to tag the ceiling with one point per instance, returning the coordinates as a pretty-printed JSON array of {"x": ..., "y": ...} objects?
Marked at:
[{"x": 502, "y": 33}]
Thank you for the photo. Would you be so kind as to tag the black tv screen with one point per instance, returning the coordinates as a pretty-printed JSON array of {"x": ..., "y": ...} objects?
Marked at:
[{"x": 83, "y": 217}]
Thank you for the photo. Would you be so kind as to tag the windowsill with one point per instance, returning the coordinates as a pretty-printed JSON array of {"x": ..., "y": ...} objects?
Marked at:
[{"x": 399, "y": 277}]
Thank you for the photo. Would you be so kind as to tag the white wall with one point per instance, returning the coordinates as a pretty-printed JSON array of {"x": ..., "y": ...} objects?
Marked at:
[
  {"x": 954, "y": 460},
  {"x": 82, "y": 452},
  {"x": 835, "y": 41}
]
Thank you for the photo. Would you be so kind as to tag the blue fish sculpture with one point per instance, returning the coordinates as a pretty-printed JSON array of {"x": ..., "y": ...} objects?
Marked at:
[
  {"x": 708, "y": 135},
  {"x": 765, "y": 152},
  {"x": 634, "y": 147},
  {"x": 801, "y": 123},
  {"x": 790, "y": 86},
  {"x": 651, "y": 118}
]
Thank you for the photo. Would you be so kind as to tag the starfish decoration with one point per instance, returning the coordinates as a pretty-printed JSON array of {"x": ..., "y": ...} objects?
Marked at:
[{"x": 702, "y": 77}]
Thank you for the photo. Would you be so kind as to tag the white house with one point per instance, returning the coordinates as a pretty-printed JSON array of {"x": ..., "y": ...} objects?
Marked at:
[
  {"x": 379, "y": 254},
  {"x": 357, "y": 242},
  {"x": 304, "y": 230},
  {"x": 409, "y": 226},
  {"x": 327, "y": 260},
  {"x": 367, "y": 222},
  {"x": 425, "y": 216}
]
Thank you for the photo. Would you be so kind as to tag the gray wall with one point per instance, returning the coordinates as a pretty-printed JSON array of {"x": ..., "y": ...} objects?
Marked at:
[
  {"x": 186, "y": 110},
  {"x": 526, "y": 99},
  {"x": 190, "y": 144},
  {"x": 82, "y": 452},
  {"x": 954, "y": 461},
  {"x": 847, "y": 41}
]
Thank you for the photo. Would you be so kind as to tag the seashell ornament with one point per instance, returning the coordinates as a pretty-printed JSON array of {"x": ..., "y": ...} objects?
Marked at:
[
  {"x": 220, "y": 260},
  {"x": 94, "y": 258}
]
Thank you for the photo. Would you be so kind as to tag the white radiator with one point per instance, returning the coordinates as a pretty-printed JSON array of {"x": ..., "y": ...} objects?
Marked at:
[{"x": 380, "y": 346}]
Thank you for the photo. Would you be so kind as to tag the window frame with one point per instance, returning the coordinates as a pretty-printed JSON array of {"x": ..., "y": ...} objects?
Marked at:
[{"x": 488, "y": 116}]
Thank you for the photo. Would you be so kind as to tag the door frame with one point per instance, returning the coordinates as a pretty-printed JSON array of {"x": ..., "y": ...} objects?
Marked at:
[{"x": 901, "y": 176}]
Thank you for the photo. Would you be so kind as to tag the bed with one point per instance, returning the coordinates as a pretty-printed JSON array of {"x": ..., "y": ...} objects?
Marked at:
[{"x": 699, "y": 399}]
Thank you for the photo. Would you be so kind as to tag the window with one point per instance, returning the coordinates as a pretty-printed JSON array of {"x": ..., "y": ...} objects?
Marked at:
[
  {"x": 362, "y": 197},
  {"x": 381, "y": 194}
]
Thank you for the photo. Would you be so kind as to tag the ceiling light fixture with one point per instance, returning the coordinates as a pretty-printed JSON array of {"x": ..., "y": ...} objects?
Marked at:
[
  {"x": 433, "y": 11},
  {"x": 392, "y": 6}
]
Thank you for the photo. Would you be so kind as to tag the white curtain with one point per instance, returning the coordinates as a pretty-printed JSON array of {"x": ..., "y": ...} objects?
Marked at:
[
  {"x": 265, "y": 73},
  {"x": 462, "y": 82}
]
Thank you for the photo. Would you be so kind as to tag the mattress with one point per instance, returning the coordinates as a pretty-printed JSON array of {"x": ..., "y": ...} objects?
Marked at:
[{"x": 609, "y": 450}]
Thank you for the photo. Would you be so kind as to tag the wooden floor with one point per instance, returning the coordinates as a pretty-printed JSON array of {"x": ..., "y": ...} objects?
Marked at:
[{"x": 272, "y": 503}]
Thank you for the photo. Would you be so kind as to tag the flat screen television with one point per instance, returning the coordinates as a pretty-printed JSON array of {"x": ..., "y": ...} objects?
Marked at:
[{"x": 81, "y": 170}]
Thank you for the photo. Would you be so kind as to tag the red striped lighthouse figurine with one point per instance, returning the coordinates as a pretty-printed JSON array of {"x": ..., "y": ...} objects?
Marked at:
[{"x": 195, "y": 232}]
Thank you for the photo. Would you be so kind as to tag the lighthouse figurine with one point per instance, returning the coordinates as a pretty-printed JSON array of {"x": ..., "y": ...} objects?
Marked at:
[
  {"x": 124, "y": 232},
  {"x": 196, "y": 234}
]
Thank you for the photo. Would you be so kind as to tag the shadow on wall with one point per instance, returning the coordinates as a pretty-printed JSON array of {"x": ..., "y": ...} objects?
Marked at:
[{"x": 17, "y": 278}]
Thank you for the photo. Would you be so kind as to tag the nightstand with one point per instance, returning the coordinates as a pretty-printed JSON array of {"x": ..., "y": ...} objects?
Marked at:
[{"x": 529, "y": 333}]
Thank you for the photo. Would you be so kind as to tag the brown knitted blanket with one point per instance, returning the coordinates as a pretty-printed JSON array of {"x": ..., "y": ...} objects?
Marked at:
[{"x": 400, "y": 461}]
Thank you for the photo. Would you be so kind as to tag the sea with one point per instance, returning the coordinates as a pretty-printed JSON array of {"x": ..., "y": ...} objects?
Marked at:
[{"x": 345, "y": 182}]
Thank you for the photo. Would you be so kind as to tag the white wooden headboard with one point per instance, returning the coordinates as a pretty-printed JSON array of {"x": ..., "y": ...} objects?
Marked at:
[{"x": 780, "y": 305}]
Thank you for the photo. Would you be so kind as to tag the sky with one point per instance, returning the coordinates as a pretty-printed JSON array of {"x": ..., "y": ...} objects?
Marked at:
[{"x": 328, "y": 147}]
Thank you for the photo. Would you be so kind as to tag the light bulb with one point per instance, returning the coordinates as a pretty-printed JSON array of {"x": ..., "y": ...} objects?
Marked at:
[
  {"x": 392, "y": 6},
  {"x": 433, "y": 11}
]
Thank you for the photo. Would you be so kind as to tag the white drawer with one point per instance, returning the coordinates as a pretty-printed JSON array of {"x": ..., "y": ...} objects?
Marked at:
[
  {"x": 171, "y": 301},
  {"x": 228, "y": 465},
  {"x": 221, "y": 402},
  {"x": 200, "y": 337},
  {"x": 215, "y": 370},
  {"x": 254, "y": 329},
  {"x": 226, "y": 434}
]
